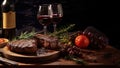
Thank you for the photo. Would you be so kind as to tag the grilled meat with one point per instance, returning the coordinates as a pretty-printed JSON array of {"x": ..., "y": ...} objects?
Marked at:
[{"x": 23, "y": 46}]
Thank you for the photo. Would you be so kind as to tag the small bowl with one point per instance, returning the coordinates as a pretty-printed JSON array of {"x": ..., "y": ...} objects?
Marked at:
[{"x": 3, "y": 42}]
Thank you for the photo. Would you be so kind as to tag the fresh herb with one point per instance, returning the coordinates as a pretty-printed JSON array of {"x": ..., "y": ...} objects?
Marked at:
[
  {"x": 64, "y": 38},
  {"x": 76, "y": 59},
  {"x": 25, "y": 35},
  {"x": 62, "y": 30},
  {"x": 79, "y": 61},
  {"x": 62, "y": 33}
]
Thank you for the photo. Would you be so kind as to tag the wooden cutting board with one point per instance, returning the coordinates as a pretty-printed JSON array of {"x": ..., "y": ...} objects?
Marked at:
[{"x": 47, "y": 57}]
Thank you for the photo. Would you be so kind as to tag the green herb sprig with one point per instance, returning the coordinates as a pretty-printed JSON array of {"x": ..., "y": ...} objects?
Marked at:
[
  {"x": 62, "y": 30},
  {"x": 77, "y": 60},
  {"x": 25, "y": 35},
  {"x": 62, "y": 33}
]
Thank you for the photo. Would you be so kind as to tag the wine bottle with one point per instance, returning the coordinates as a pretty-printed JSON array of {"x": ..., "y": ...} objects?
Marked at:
[{"x": 8, "y": 19}]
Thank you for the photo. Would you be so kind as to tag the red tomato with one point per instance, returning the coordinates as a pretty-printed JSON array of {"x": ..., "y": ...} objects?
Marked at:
[{"x": 82, "y": 41}]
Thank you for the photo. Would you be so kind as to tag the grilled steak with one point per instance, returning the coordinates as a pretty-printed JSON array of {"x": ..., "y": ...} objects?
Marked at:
[
  {"x": 23, "y": 46},
  {"x": 30, "y": 46},
  {"x": 47, "y": 41}
]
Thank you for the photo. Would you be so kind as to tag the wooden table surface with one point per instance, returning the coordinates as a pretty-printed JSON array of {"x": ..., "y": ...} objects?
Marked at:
[{"x": 62, "y": 63}]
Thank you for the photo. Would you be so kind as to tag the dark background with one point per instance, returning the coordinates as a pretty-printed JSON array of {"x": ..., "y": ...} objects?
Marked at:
[{"x": 83, "y": 13}]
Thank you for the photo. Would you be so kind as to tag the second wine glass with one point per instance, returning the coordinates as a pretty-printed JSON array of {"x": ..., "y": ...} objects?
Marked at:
[
  {"x": 57, "y": 13},
  {"x": 44, "y": 15}
]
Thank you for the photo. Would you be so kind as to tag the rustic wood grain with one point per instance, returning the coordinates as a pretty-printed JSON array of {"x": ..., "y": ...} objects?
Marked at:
[
  {"x": 29, "y": 58},
  {"x": 109, "y": 61}
]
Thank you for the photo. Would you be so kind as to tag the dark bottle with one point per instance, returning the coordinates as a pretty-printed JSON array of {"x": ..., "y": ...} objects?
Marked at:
[{"x": 9, "y": 19}]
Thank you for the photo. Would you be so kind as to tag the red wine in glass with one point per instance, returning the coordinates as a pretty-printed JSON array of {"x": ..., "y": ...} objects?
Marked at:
[
  {"x": 57, "y": 13},
  {"x": 56, "y": 18},
  {"x": 44, "y": 19},
  {"x": 44, "y": 15}
]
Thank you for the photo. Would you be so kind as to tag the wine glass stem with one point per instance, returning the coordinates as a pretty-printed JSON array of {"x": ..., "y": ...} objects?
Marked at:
[
  {"x": 55, "y": 25},
  {"x": 45, "y": 33},
  {"x": 45, "y": 30}
]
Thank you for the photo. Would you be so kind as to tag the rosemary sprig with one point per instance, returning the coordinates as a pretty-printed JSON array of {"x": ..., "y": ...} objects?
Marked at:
[
  {"x": 25, "y": 35},
  {"x": 62, "y": 33},
  {"x": 62, "y": 30},
  {"x": 77, "y": 60}
]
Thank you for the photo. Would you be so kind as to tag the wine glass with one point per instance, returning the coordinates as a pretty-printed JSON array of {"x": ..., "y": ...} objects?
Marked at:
[
  {"x": 57, "y": 13},
  {"x": 44, "y": 15}
]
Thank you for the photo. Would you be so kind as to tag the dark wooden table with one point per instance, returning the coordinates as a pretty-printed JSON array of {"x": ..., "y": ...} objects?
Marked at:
[
  {"x": 60, "y": 63},
  {"x": 112, "y": 62}
]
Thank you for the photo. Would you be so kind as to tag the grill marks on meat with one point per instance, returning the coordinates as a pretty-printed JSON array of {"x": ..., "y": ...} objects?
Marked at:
[
  {"x": 23, "y": 46},
  {"x": 51, "y": 42},
  {"x": 30, "y": 46}
]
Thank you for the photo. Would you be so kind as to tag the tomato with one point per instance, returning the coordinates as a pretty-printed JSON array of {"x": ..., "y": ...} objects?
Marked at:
[{"x": 82, "y": 41}]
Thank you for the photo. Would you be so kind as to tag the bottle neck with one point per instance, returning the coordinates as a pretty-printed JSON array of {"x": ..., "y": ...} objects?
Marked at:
[
  {"x": 8, "y": 5},
  {"x": 8, "y": 1}
]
